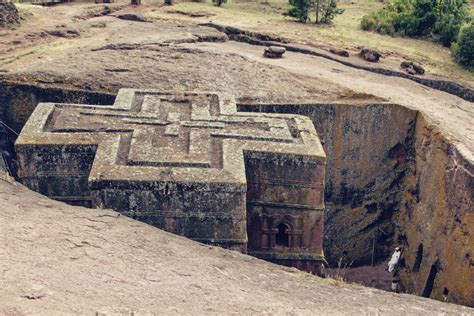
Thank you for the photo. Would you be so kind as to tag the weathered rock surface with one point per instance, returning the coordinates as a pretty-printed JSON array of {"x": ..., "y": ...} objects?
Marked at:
[
  {"x": 412, "y": 68},
  {"x": 436, "y": 219},
  {"x": 274, "y": 52},
  {"x": 132, "y": 17},
  {"x": 65, "y": 32},
  {"x": 339, "y": 52},
  {"x": 370, "y": 55},
  {"x": 9, "y": 15},
  {"x": 60, "y": 259}
]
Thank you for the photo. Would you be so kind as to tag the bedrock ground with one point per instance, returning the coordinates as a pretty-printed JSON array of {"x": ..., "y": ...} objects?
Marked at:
[{"x": 60, "y": 259}]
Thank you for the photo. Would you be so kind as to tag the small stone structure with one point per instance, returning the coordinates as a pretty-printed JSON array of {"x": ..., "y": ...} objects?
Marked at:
[{"x": 188, "y": 163}]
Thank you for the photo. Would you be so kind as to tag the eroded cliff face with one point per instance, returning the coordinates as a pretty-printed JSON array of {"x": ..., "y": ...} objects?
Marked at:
[
  {"x": 437, "y": 218},
  {"x": 393, "y": 179}
]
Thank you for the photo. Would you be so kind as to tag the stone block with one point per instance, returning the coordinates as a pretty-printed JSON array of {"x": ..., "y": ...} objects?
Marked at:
[{"x": 188, "y": 163}]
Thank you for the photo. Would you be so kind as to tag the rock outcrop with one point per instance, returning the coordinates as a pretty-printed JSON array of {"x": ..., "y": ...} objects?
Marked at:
[
  {"x": 370, "y": 55},
  {"x": 274, "y": 52},
  {"x": 9, "y": 15}
]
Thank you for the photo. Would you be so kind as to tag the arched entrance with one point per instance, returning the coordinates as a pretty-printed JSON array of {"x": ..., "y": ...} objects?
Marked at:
[{"x": 282, "y": 237}]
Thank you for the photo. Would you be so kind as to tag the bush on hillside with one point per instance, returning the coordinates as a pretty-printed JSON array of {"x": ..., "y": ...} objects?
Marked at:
[
  {"x": 464, "y": 49},
  {"x": 438, "y": 19}
]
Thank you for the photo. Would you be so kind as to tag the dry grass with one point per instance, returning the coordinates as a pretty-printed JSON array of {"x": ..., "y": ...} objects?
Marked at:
[{"x": 266, "y": 16}]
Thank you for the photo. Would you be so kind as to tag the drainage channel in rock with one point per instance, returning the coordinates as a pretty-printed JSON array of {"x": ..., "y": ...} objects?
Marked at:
[{"x": 390, "y": 180}]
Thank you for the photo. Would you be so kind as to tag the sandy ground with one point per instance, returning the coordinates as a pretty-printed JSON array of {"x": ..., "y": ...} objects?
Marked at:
[{"x": 57, "y": 259}]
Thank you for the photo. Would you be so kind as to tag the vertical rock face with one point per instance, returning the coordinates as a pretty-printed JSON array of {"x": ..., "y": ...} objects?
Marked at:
[
  {"x": 187, "y": 163},
  {"x": 437, "y": 219},
  {"x": 370, "y": 149},
  {"x": 394, "y": 180}
]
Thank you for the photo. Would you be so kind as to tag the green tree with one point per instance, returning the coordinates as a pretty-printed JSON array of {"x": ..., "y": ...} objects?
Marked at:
[
  {"x": 300, "y": 9},
  {"x": 464, "y": 49},
  {"x": 324, "y": 10}
]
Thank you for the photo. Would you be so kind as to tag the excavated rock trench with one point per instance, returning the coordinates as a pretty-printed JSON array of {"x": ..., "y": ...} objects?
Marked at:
[{"x": 391, "y": 179}]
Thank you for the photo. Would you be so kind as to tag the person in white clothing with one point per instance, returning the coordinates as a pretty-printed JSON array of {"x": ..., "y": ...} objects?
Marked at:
[{"x": 392, "y": 264}]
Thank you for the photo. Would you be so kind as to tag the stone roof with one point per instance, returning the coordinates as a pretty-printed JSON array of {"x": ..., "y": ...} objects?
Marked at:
[{"x": 183, "y": 127}]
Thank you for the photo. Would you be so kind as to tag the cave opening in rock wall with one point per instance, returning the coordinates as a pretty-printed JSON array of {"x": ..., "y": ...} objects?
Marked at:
[
  {"x": 418, "y": 258},
  {"x": 431, "y": 280}
]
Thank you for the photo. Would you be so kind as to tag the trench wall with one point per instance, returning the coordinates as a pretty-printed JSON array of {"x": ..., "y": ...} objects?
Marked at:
[
  {"x": 393, "y": 179},
  {"x": 369, "y": 151},
  {"x": 437, "y": 218},
  {"x": 17, "y": 102}
]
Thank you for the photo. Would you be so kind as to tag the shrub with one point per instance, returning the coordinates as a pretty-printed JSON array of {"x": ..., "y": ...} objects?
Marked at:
[
  {"x": 299, "y": 10},
  {"x": 380, "y": 21},
  {"x": 438, "y": 19},
  {"x": 464, "y": 49},
  {"x": 450, "y": 17}
]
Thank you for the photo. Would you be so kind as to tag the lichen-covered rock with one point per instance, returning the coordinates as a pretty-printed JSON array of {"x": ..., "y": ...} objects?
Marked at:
[{"x": 9, "y": 15}]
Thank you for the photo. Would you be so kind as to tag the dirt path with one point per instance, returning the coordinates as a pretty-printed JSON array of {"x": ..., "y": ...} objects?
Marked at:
[{"x": 57, "y": 259}]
